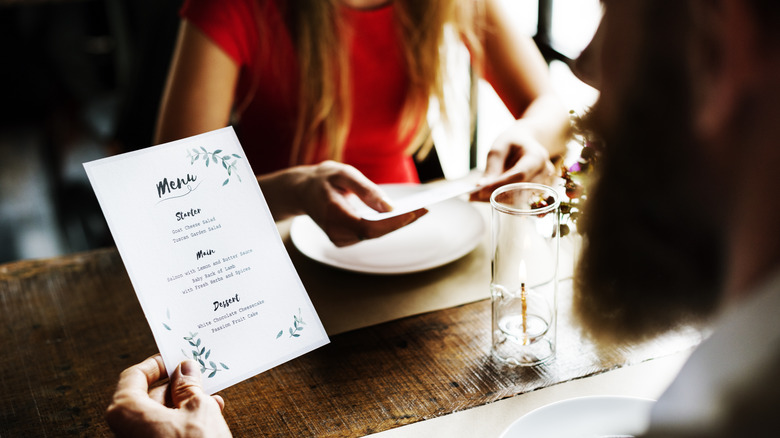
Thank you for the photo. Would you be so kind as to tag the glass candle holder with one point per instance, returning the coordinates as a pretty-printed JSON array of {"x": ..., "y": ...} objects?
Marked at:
[{"x": 524, "y": 286}]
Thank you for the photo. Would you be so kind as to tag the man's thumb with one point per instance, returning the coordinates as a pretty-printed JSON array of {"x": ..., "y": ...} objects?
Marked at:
[{"x": 186, "y": 386}]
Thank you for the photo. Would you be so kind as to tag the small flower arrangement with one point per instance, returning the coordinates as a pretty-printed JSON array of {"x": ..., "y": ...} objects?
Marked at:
[{"x": 576, "y": 176}]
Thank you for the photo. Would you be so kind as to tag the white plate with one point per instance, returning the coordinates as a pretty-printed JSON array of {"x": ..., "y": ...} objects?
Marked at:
[
  {"x": 450, "y": 230},
  {"x": 584, "y": 417}
]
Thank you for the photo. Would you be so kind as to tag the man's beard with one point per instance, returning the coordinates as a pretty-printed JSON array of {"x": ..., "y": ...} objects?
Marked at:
[{"x": 651, "y": 257}]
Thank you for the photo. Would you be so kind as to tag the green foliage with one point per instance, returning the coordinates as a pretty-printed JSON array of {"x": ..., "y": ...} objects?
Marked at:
[
  {"x": 218, "y": 158},
  {"x": 296, "y": 327},
  {"x": 201, "y": 355}
]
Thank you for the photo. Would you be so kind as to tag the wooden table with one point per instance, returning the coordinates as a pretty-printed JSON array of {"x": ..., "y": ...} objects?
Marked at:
[{"x": 69, "y": 325}]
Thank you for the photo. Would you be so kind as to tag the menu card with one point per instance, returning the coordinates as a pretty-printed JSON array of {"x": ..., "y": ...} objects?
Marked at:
[{"x": 205, "y": 258}]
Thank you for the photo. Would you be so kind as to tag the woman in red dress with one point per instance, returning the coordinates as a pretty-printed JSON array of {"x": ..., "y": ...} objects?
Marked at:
[{"x": 329, "y": 97}]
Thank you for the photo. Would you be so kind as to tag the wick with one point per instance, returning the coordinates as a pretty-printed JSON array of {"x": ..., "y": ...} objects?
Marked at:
[{"x": 525, "y": 312}]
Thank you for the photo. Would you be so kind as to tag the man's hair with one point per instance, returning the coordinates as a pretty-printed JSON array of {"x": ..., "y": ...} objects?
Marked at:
[
  {"x": 767, "y": 14},
  {"x": 651, "y": 258}
]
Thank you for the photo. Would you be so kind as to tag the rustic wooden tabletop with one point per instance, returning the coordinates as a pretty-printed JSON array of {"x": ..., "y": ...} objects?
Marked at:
[{"x": 70, "y": 325}]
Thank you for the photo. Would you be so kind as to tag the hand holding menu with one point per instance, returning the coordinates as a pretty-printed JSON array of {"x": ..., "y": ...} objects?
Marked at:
[{"x": 205, "y": 258}]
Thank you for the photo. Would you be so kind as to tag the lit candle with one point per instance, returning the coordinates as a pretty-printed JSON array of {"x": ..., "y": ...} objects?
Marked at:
[{"x": 522, "y": 274}]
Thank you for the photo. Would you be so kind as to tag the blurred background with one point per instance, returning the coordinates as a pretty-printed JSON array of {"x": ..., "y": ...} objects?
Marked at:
[{"x": 82, "y": 79}]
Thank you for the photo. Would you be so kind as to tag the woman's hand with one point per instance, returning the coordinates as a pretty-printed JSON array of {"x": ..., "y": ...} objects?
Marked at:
[
  {"x": 322, "y": 191},
  {"x": 177, "y": 408},
  {"x": 515, "y": 68},
  {"x": 516, "y": 156}
]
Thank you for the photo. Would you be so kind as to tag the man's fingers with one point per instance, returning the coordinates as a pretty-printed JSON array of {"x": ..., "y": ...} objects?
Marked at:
[
  {"x": 186, "y": 388},
  {"x": 132, "y": 401},
  {"x": 185, "y": 383},
  {"x": 158, "y": 394},
  {"x": 139, "y": 377},
  {"x": 220, "y": 401}
]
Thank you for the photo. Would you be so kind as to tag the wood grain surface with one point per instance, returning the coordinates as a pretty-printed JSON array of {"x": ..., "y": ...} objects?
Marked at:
[{"x": 69, "y": 325}]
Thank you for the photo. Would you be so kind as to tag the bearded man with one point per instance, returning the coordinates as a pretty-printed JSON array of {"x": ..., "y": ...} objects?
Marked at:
[{"x": 682, "y": 224}]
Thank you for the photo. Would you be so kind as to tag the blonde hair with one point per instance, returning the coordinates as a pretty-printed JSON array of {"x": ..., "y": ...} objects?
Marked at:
[{"x": 324, "y": 100}]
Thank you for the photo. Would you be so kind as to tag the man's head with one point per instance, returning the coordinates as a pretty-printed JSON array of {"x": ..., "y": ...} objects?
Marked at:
[{"x": 680, "y": 84}]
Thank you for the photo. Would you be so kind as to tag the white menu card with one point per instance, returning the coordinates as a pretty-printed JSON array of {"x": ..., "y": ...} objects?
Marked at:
[{"x": 205, "y": 258}]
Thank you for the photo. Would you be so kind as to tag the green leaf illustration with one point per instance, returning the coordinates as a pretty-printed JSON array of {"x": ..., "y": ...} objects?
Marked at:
[
  {"x": 201, "y": 355},
  {"x": 168, "y": 316},
  {"x": 297, "y": 326},
  {"x": 215, "y": 157}
]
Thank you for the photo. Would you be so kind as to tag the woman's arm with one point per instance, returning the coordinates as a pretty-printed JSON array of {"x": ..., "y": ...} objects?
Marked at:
[
  {"x": 199, "y": 91},
  {"x": 513, "y": 65}
]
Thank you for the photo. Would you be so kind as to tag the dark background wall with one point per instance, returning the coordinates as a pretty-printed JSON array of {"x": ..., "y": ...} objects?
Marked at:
[{"x": 79, "y": 80}]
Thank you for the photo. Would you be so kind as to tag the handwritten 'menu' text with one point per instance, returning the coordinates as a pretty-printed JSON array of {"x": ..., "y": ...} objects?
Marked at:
[{"x": 166, "y": 186}]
